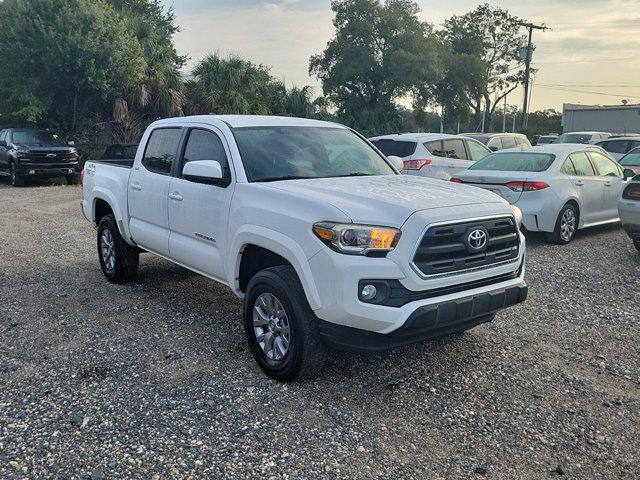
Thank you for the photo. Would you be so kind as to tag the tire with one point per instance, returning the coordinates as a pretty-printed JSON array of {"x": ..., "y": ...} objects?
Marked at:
[
  {"x": 119, "y": 260},
  {"x": 72, "y": 180},
  {"x": 16, "y": 180},
  {"x": 290, "y": 312},
  {"x": 566, "y": 225}
]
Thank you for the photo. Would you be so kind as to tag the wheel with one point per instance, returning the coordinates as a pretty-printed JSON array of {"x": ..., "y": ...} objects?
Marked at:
[
  {"x": 119, "y": 260},
  {"x": 281, "y": 328},
  {"x": 16, "y": 180},
  {"x": 566, "y": 225},
  {"x": 72, "y": 179}
]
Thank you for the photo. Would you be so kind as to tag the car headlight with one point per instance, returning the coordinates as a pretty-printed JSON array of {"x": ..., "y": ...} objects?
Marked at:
[
  {"x": 354, "y": 239},
  {"x": 518, "y": 214}
]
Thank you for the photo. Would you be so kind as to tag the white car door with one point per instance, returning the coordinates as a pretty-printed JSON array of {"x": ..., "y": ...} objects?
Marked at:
[
  {"x": 588, "y": 186},
  {"x": 457, "y": 157},
  {"x": 613, "y": 182},
  {"x": 198, "y": 212},
  {"x": 148, "y": 190}
]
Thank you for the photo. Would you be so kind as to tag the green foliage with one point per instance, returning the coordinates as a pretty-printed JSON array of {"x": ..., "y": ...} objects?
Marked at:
[{"x": 381, "y": 54}]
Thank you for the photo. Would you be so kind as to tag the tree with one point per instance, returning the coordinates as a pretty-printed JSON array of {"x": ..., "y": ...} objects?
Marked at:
[
  {"x": 381, "y": 54},
  {"x": 484, "y": 66},
  {"x": 64, "y": 62}
]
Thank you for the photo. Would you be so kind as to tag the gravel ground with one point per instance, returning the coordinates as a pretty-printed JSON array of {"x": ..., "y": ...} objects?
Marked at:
[{"x": 153, "y": 380}]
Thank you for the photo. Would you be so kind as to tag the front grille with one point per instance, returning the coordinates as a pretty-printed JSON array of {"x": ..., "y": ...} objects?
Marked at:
[
  {"x": 43, "y": 156},
  {"x": 444, "y": 248}
]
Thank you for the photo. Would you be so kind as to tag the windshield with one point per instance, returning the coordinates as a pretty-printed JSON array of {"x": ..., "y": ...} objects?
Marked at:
[
  {"x": 631, "y": 160},
  {"x": 393, "y": 147},
  {"x": 545, "y": 140},
  {"x": 285, "y": 153},
  {"x": 481, "y": 138},
  {"x": 574, "y": 138},
  {"x": 35, "y": 137},
  {"x": 515, "y": 162}
]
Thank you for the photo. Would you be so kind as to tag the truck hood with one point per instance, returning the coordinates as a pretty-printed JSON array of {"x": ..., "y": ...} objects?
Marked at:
[{"x": 386, "y": 199}]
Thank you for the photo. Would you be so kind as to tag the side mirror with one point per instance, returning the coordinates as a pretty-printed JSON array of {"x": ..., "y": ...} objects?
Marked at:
[
  {"x": 628, "y": 173},
  {"x": 203, "y": 171},
  {"x": 493, "y": 148},
  {"x": 396, "y": 162}
]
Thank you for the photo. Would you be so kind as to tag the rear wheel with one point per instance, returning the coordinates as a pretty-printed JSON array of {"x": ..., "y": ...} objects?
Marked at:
[
  {"x": 281, "y": 328},
  {"x": 118, "y": 259},
  {"x": 566, "y": 225},
  {"x": 16, "y": 179}
]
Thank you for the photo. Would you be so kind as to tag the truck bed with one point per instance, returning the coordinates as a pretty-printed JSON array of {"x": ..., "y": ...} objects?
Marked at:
[{"x": 118, "y": 162}]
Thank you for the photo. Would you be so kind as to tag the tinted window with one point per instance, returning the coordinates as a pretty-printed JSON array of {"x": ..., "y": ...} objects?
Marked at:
[
  {"x": 631, "y": 160},
  {"x": 605, "y": 167},
  {"x": 455, "y": 149},
  {"x": 435, "y": 148},
  {"x": 35, "y": 137},
  {"x": 276, "y": 153},
  {"x": 396, "y": 148},
  {"x": 161, "y": 151},
  {"x": 508, "y": 142},
  {"x": 206, "y": 145},
  {"x": 545, "y": 140},
  {"x": 477, "y": 151},
  {"x": 582, "y": 165},
  {"x": 515, "y": 162},
  {"x": 633, "y": 144},
  {"x": 3, "y": 133},
  {"x": 573, "y": 138},
  {"x": 568, "y": 168},
  {"x": 615, "y": 146}
]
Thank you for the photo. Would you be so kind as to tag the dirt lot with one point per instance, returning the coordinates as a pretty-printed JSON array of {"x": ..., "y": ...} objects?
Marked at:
[{"x": 153, "y": 379}]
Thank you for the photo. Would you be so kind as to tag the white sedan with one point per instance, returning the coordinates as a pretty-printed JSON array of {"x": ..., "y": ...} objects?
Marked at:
[
  {"x": 629, "y": 209},
  {"x": 558, "y": 188}
]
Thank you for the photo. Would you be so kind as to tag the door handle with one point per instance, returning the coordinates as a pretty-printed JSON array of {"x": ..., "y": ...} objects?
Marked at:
[
  {"x": 136, "y": 186},
  {"x": 607, "y": 183},
  {"x": 579, "y": 183},
  {"x": 176, "y": 196}
]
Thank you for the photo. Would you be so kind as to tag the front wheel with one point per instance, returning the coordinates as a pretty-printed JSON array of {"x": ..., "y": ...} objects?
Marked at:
[
  {"x": 566, "y": 225},
  {"x": 118, "y": 259},
  {"x": 16, "y": 179},
  {"x": 280, "y": 327}
]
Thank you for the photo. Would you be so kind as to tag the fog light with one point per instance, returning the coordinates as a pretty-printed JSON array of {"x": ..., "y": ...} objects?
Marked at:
[
  {"x": 32, "y": 172},
  {"x": 369, "y": 292}
]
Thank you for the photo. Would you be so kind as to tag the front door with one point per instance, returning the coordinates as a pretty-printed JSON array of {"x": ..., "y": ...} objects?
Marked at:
[
  {"x": 149, "y": 191},
  {"x": 588, "y": 186},
  {"x": 613, "y": 181},
  {"x": 198, "y": 212}
]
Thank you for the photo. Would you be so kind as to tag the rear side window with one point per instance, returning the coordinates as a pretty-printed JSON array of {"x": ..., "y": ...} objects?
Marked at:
[
  {"x": 605, "y": 167},
  {"x": 455, "y": 149},
  {"x": 496, "y": 143},
  {"x": 161, "y": 150},
  {"x": 522, "y": 142},
  {"x": 568, "y": 168},
  {"x": 515, "y": 162},
  {"x": 206, "y": 145},
  {"x": 616, "y": 146},
  {"x": 582, "y": 165},
  {"x": 508, "y": 142},
  {"x": 395, "y": 148},
  {"x": 435, "y": 148},
  {"x": 477, "y": 151}
]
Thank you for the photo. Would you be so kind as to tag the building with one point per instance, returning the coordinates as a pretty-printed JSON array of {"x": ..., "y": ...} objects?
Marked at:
[{"x": 601, "y": 118}]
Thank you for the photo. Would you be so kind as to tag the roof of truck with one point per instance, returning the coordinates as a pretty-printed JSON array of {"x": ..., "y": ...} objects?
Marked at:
[{"x": 239, "y": 121}]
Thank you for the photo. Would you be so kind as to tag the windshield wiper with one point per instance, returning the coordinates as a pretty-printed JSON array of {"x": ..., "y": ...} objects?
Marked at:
[
  {"x": 357, "y": 174},
  {"x": 286, "y": 177}
]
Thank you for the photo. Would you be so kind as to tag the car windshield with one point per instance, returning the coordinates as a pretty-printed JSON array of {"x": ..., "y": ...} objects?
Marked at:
[
  {"x": 35, "y": 137},
  {"x": 544, "y": 140},
  {"x": 288, "y": 153},
  {"x": 631, "y": 160},
  {"x": 574, "y": 138},
  {"x": 481, "y": 138},
  {"x": 395, "y": 147},
  {"x": 515, "y": 162}
]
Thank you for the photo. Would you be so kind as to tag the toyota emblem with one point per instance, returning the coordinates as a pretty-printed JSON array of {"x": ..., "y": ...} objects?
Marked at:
[{"x": 477, "y": 239}]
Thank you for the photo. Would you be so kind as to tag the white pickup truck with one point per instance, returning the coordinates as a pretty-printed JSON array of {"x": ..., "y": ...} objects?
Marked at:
[{"x": 314, "y": 228}]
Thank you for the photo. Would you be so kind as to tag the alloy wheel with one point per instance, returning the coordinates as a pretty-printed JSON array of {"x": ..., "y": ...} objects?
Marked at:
[
  {"x": 107, "y": 249},
  {"x": 271, "y": 327},
  {"x": 568, "y": 224}
]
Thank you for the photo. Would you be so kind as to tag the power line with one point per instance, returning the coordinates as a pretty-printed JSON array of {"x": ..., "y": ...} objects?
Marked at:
[{"x": 602, "y": 85}]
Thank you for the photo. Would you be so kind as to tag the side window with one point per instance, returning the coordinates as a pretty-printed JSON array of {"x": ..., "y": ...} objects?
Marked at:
[
  {"x": 435, "y": 148},
  {"x": 568, "y": 168},
  {"x": 615, "y": 146},
  {"x": 3, "y": 133},
  {"x": 455, "y": 149},
  {"x": 476, "y": 151},
  {"x": 161, "y": 150},
  {"x": 206, "y": 145},
  {"x": 508, "y": 142},
  {"x": 605, "y": 167},
  {"x": 495, "y": 142},
  {"x": 582, "y": 165},
  {"x": 522, "y": 142}
]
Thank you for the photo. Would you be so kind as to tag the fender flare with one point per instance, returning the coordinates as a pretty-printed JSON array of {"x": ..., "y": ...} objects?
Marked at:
[
  {"x": 106, "y": 196},
  {"x": 277, "y": 243}
]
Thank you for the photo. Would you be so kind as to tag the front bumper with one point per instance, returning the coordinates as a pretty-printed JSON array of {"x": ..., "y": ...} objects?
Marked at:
[
  {"x": 47, "y": 170},
  {"x": 429, "y": 321}
]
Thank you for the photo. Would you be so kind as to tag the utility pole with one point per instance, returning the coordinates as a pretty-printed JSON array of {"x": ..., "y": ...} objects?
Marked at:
[
  {"x": 528, "y": 56},
  {"x": 504, "y": 116}
]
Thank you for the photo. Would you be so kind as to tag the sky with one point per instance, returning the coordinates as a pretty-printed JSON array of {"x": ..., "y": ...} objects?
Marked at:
[{"x": 590, "y": 55}]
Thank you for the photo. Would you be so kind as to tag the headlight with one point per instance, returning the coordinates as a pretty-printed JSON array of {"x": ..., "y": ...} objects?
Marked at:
[
  {"x": 518, "y": 214},
  {"x": 20, "y": 150},
  {"x": 357, "y": 239}
]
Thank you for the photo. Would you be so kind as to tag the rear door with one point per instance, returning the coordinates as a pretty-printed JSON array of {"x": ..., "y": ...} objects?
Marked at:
[
  {"x": 149, "y": 189},
  {"x": 457, "y": 157},
  {"x": 613, "y": 181},
  {"x": 198, "y": 212},
  {"x": 588, "y": 186}
]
